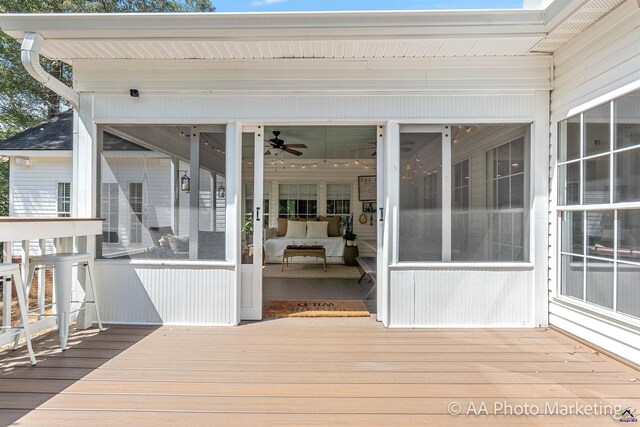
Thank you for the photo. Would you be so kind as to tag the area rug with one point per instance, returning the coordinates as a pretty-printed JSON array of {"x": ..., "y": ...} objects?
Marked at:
[
  {"x": 310, "y": 271},
  {"x": 316, "y": 308}
]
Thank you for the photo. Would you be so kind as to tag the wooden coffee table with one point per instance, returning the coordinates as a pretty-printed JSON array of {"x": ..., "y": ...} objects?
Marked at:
[{"x": 308, "y": 251}]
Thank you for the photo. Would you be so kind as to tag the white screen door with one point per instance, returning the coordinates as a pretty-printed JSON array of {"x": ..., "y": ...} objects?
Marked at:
[{"x": 252, "y": 222}]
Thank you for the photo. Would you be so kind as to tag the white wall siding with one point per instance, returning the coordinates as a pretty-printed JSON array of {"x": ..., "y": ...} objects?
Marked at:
[
  {"x": 462, "y": 297},
  {"x": 35, "y": 191},
  {"x": 602, "y": 59},
  {"x": 165, "y": 294}
]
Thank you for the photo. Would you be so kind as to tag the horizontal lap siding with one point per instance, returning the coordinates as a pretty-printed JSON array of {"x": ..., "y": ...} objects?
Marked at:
[
  {"x": 35, "y": 191},
  {"x": 602, "y": 59},
  {"x": 165, "y": 294}
]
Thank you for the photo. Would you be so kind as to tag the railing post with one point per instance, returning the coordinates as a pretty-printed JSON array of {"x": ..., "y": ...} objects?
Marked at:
[
  {"x": 25, "y": 270},
  {"x": 42, "y": 277},
  {"x": 7, "y": 254}
]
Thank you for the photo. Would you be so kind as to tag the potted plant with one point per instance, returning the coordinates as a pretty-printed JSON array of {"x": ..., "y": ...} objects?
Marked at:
[
  {"x": 247, "y": 229},
  {"x": 350, "y": 237}
]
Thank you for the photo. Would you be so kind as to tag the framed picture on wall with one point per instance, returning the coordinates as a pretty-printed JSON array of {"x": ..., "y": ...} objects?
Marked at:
[
  {"x": 368, "y": 207},
  {"x": 367, "y": 188}
]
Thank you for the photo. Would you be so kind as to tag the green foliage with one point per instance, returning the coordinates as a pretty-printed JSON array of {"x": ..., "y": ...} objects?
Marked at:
[{"x": 25, "y": 102}]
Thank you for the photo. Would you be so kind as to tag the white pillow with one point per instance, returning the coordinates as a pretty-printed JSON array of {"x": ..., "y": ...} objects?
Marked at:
[
  {"x": 297, "y": 229},
  {"x": 317, "y": 229}
]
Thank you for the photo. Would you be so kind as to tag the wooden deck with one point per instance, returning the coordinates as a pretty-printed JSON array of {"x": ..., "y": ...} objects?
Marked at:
[{"x": 305, "y": 372}]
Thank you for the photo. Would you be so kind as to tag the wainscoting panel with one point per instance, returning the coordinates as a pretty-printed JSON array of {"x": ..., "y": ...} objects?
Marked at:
[
  {"x": 171, "y": 294},
  {"x": 462, "y": 297}
]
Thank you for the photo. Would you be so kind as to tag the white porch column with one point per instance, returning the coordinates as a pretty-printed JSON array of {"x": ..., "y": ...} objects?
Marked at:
[
  {"x": 194, "y": 195},
  {"x": 391, "y": 175},
  {"x": 539, "y": 218},
  {"x": 233, "y": 181},
  {"x": 84, "y": 191}
]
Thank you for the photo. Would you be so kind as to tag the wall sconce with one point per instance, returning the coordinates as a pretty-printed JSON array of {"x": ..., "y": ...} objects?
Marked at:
[
  {"x": 185, "y": 182},
  {"x": 220, "y": 193}
]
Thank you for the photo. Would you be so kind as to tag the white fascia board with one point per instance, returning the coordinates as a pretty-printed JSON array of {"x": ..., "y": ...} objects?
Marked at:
[
  {"x": 36, "y": 153},
  {"x": 373, "y": 25}
]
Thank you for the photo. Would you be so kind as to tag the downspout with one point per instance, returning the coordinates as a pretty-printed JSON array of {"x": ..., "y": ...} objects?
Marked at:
[{"x": 31, "y": 46}]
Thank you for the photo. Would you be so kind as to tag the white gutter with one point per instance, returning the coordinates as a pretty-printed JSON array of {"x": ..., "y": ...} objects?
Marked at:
[{"x": 31, "y": 46}]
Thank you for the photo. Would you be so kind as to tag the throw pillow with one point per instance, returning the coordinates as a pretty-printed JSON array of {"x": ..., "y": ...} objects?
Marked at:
[
  {"x": 333, "y": 229},
  {"x": 317, "y": 229},
  {"x": 282, "y": 227},
  {"x": 296, "y": 229},
  {"x": 179, "y": 243}
]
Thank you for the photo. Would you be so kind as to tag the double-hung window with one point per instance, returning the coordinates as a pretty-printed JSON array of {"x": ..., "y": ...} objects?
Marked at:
[
  {"x": 64, "y": 200},
  {"x": 599, "y": 205},
  {"x": 297, "y": 200},
  {"x": 339, "y": 200}
]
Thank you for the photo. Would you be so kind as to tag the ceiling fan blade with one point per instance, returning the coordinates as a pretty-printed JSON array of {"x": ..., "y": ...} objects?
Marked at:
[
  {"x": 373, "y": 154},
  {"x": 267, "y": 153},
  {"x": 297, "y": 146},
  {"x": 362, "y": 149},
  {"x": 294, "y": 152}
]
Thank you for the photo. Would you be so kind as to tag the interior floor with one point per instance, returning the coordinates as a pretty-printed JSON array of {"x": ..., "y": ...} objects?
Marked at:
[{"x": 337, "y": 289}]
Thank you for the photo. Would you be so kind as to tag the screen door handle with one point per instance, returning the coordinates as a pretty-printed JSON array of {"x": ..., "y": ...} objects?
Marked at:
[
  {"x": 381, "y": 214},
  {"x": 257, "y": 214}
]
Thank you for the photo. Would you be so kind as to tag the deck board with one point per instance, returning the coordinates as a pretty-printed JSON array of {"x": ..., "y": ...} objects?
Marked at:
[{"x": 349, "y": 371}]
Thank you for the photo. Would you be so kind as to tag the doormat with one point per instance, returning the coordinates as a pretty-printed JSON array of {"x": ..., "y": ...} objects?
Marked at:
[{"x": 316, "y": 308}]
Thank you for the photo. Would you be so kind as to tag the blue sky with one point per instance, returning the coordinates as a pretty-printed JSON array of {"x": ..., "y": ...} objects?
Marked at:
[{"x": 306, "y": 5}]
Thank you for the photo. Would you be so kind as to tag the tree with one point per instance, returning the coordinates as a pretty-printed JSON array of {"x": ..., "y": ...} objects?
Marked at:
[{"x": 23, "y": 101}]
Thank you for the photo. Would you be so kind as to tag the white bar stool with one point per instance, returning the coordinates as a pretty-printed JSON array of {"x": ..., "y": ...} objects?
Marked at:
[
  {"x": 62, "y": 264},
  {"x": 11, "y": 272}
]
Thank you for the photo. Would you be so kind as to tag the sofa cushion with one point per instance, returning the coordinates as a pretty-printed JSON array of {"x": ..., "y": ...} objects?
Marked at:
[
  {"x": 158, "y": 232},
  {"x": 178, "y": 243},
  {"x": 296, "y": 229},
  {"x": 333, "y": 228},
  {"x": 282, "y": 227},
  {"x": 317, "y": 229}
]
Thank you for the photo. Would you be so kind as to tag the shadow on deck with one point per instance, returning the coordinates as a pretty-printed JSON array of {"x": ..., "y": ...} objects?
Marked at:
[{"x": 306, "y": 372}]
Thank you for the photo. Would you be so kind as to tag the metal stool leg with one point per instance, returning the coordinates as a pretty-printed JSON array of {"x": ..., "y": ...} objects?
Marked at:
[
  {"x": 27, "y": 290},
  {"x": 95, "y": 298},
  {"x": 20, "y": 288}
]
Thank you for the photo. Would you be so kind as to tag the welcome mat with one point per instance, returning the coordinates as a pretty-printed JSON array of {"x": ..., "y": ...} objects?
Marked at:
[{"x": 316, "y": 308}]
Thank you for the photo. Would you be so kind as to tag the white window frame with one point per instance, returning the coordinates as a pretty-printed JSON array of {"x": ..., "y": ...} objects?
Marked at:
[
  {"x": 63, "y": 202},
  {"x": 106, "y": 213},
  {"x": 348, "y": 200},
  {"x": 456, "y": 211},
  {"x": 135, "y": 219},
  {"x": 583, "y": 208},
  {"x": 495, "y": 210},
  {"x": 298, "y": 196}
]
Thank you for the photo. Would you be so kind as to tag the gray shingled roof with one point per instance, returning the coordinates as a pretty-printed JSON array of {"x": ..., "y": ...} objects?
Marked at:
[{"x": 57, "y": 134}]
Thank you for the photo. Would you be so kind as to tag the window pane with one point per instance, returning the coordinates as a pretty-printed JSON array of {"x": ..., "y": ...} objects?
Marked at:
[
  {"x": 628, "y": 294},
  {"x": 489, "y": 218},
  {"x": 600, "y": 233},
  {"x": 569, "y": 139},
  {"x": 596, "y": 181},
  {"x": 569, "y": 184},
  {"x": 627, "y": 118},
  {"x": 147, "y": 192},
  {"x": 627, "y": 186},
  {"x": 597, "y": 130},
  {"x": 572, "y": 276},
  {"x": 572, "y": 232},
  {"x": 600, "y": 282},
  {"x": 420, "y": 222},
  {"x": 629, "y": 235}
]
